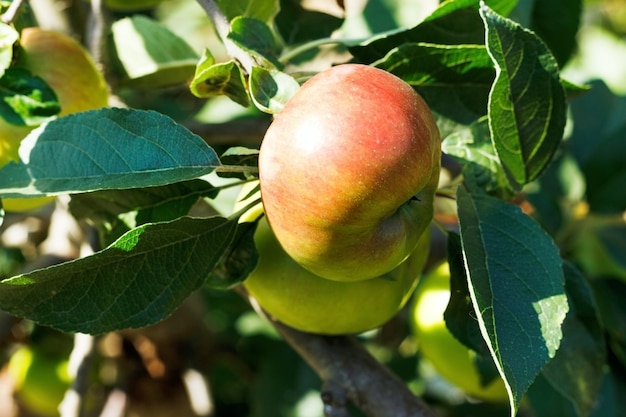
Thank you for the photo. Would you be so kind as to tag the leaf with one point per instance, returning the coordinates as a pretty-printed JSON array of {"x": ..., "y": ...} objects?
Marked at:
[
  {"x": 454, "y": 80},
  {"x": 577, "y": 368},
  {"x": 472, "y": 147},
  {"x": 527, "y": 109},
  {"x": 240, "y": 156},
  {"x": 298, "y": 25},
  {"x": 255, "y": 37},
  {"x": 26, "y": 100},
  {"x": 225, "y": 78},
  {"x": 151, "y": 55},
  {"x": 106, "y": 149},
  {"x": 139, "y": 280},
  {"x": 597, "y": 143},
  {"x": 8, "y": 36},
  {"x": 264, "y": 10},
  {"x": 610, "y": 295},
  {"x": 454, "y": 22},
  {"x": 558, "y": 33},
  {"x": 271, "y": 89},
  {"x": 237, "y": 262},
  {"x": 516, "y": 284}
]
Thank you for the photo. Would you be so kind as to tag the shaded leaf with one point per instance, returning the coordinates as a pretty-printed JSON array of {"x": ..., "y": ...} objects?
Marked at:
[
  {"x": 516, "y": 285},
  {"x": 139, "y": 280},
  {"x": 298, "y": 25},
  {"x": 255, "y": 37},
  {"x": 576, "y": 371},
  {"x": 264, "y": 10},
  {"x": 527, "y": 109},
  {"x": 106, "y": 149}
]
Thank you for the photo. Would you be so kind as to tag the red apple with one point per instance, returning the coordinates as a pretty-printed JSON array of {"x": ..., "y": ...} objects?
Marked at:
[{"x": 348, "y": 172}]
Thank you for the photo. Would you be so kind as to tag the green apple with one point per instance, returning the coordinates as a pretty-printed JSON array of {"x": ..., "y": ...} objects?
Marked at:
[
  {"x": 70, "y": 71},
  {"x": 452, "y": 360},
  {"x": 348, "y": 172},
  {"x": 40, "y": 380},
  {"x": 307, "y": 302}
]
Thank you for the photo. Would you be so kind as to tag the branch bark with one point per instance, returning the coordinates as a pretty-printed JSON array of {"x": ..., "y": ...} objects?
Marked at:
[{"x": 351, "y": 375}]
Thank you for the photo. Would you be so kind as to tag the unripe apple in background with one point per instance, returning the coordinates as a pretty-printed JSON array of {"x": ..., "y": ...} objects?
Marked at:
[
  {"x": 307, "y": 302},
  {"x": 70, "y": 71},
  {"x": 348, "y": 172}
]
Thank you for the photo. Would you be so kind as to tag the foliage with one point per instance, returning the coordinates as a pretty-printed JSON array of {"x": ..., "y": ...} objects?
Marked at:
[{"x": 529, "y": 206}]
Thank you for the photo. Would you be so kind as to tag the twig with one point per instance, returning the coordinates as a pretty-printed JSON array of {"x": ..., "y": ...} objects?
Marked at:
[
  {"x": 349, "y": 374},
  {"x": 79, "y": 367},
  {"x": 222, "y": 27},
  {"x": 12, "y": 11}
]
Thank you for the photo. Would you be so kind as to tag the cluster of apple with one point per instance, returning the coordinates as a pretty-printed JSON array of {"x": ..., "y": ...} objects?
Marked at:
[
  {"x": 348, "y": 172},
  {"x": 70, "y": 71}
]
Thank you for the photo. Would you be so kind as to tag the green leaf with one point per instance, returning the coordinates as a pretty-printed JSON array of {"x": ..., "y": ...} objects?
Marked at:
[
  {"x": 26, "y": 100},
  {"x": 240, "y": 156},
  {"x": 454, "y": 80},
  {"x": 527, "y": 108},
  {"x": 139, "y": 280},
  {"x": 472, "y": 147},
  {"x": 454, "y": 22},
  {"x": 264, "y": 10},
  {"x": 597, "y": 143},
  {"x": 516, "y": 284},
  {"x": 299, "y": 25},
  {"x": 255, "y": 37},
  {"x": 151, "y": 55},
  {"x": 558, "y": 33},
  {"x": 8, "y": 36},
  {"x": 225, "y": 78},
  {"x": 238, "y": 260},
  {"x": 610, "y": 295},
  {"x": 577, "y": 368},
  {"x": 271, "y": 89},
  {"x": 106, "y": 149}
]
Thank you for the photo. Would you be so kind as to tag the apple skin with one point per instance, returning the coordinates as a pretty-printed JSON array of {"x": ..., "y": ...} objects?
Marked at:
[
  {"x": 70, "y": 71},
  {"x": 348, "y": 172},
  {"x": 452, "y": 359},
  {"x": 309, "y": 303}
]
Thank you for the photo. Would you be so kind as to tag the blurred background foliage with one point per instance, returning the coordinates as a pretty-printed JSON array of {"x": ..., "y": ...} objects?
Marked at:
[{"x": 214, "y": 347}]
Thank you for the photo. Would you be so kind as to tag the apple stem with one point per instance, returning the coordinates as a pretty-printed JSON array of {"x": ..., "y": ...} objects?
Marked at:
[{"x": 238, "y": 169}]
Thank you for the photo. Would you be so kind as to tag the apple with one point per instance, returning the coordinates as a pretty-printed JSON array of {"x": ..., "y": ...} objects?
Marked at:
[
  {"x": 70, "y": 71},
  {"x": 348, "y": 171},
  {"x": 309, "y": 303},
  {"x": 40, "y": 380},
  {"x": 451, "y": 359}
]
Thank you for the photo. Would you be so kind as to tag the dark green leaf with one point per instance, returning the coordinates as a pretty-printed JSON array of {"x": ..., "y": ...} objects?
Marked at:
[
  {"x": 106, "y": 149},
  {"x": 150, "y": 54},
  {"x": 459, "y": 315},
  {"x": 454, "y": 80},
  {"x": 26, "y": 100},
  {"x": 139, "y": 280},
  {"x": 237, "y": 262},
  {"x": 576, "y": 371},
  {"x": 298, "y": 25},
  {"x": 255, "y": 37},
  {"x": 527, "y": 109},
  {"x": 240, "y": 156},
  {"x": 453, "y": 23},
  {"x": 610, "y": 295},
  {"x": 271, "y": 89},
  {"x": 557, "y": 22},
  {"x": 224, "y": 78},
  {"x": 516, "y": 286},
  {"x": 597, "y": 143}
]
